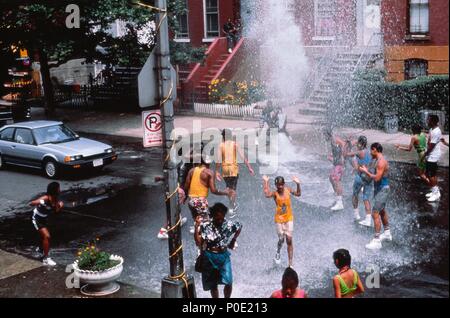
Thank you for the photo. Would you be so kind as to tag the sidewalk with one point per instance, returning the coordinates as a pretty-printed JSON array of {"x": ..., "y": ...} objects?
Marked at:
[
  {"x": 305, "y": 135},
  {"x": 24, "y": 278}
]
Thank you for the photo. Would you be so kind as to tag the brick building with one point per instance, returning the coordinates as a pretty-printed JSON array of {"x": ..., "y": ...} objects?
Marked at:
[
  {"x": 415, "y": 38},
  {"x": 204, "y": 20}
]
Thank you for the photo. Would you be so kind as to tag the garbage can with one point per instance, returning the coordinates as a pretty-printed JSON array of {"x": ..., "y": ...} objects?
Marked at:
[
  {"x": 391, "y": 123},
  {"x": 424, "y": 118}
]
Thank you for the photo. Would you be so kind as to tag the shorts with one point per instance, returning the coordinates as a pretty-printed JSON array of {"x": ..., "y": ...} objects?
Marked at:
[
  {"x": 359, "y": 184},
  {"x": 231, "y": 182},
  {"x": 286, "y": 228},
  {"x": 380, "y": 199},
  {"x": 39, "y": 222},
  {"x": 216, "y": 270},
  {"x": 431, "y": 169},
  {"x": 422, "y": 162},
  {"x": 198, "y": 206},
  {"x": 336, "y": 173}
]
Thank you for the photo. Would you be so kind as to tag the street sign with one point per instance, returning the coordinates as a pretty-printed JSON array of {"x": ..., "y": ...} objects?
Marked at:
[
  {"x": 152, "y": 127},
  {"x": 148, "y": 83}
]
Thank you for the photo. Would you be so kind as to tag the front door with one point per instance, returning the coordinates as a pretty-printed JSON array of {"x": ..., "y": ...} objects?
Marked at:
[{"x": 369, "y": 22}]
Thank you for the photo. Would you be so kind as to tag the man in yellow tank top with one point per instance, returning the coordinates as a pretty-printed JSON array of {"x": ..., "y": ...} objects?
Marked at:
[
  {"x": 284, "y": 218},
  {"x": 227, "y": 159},
  {"x": 199, "y": 182}
]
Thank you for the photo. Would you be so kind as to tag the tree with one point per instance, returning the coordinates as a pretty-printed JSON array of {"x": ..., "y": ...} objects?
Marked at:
[{"x": 40, "y": 27}]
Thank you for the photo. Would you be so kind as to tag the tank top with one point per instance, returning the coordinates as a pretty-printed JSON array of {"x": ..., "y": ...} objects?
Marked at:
[
  {"x": 230, "y": 167},
  {"x": 345, "y": 290},
  {"x": 336, "y": 150},
  {"x": 365, "y": 161},
  {"x": 44, "y": 209},
  {"x": 283, "y": 212},
  {"x": 384, "y": 182},
  {"x": 299, "y": 293},
  {"x": 422, "y": 146},
  {"x": 197, "y": 189}
]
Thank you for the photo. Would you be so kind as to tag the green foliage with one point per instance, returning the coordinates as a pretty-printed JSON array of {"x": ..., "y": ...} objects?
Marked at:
[
  {"x": 92, "y": 259},
  {"x": 372, "y": 99},
  {"x": 42, "y": 27}
]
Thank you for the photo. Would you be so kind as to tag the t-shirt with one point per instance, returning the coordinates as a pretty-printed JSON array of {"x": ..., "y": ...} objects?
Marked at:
[
  {"x": 218, "y": 237},
  {"x": 435, "y": 138}
]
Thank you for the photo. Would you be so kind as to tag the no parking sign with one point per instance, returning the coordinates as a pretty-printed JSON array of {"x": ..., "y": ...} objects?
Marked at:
[{"x": 152, "y": 125}]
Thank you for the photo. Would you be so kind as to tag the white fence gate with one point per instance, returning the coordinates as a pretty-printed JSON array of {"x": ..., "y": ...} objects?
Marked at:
[{"x": 248, "y": 111}]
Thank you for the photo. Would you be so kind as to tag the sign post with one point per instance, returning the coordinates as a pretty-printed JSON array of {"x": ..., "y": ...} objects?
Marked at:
[{"x": 158, "y": 127}]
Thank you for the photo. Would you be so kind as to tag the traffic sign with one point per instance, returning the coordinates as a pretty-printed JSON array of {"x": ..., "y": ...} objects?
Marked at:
[
  {"x": 148, "y": 83},
  {"x": 152, "y": 127}
]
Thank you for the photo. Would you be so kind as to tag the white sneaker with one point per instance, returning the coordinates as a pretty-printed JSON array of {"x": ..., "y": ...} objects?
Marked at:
[
  {"x": 277, "y": 258},
  {"x": 231, "y": 213},
  {"x": 162, "y": 235},
  {"x": 434, "y": 197},
  {"x": 338, "y": 206},
  {"x": 366, "y": 222},
  {"x": 183, "y": 221},
  {"x": 429, "y": 194},
  {"x": 230, "y": 51},
  {"x": 192, "y": 230},
  {"x": 48, "y": 262},
  {"x": 375, "y": 244},
  {"x": 356, "y": 215},
  {"x": 386, "y": 236}
]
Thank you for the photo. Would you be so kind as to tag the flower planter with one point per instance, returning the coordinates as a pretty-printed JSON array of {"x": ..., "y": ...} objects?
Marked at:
[{"x": 100, "y": 283}]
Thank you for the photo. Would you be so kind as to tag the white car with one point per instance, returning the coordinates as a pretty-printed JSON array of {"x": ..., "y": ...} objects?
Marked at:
[{"x": 52, "y": 147}]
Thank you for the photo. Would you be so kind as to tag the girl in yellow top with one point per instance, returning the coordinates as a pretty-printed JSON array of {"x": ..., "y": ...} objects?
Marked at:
[{"x": 284, "y": 218}]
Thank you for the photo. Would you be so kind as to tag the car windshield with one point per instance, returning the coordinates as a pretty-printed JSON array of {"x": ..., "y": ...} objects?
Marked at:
[{"x": 54, "y": 134}]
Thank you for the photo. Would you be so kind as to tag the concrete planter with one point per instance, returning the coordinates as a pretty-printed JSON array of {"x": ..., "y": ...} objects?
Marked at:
[
  {"x": 391, "y": 122},
  {"x": 100, "y": 283}
]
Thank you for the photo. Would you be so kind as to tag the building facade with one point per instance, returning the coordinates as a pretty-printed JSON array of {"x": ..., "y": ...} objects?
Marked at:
[
  {"x": 415, "y": 38},
  {"x": 204, "y": 20}
]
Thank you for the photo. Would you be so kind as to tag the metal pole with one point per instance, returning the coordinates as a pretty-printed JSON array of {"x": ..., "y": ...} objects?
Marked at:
[{"x": 177, "y": 284}]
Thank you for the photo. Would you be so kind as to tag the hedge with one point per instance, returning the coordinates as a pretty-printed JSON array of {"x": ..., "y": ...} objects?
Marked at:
[{"x": 371, "y": 99}]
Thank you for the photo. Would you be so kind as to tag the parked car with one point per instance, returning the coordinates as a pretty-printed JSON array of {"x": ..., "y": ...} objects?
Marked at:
[{"x": 52, "y": 147}]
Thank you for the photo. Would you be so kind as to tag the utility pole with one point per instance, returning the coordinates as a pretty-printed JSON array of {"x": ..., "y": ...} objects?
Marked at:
[{"x": 177, "y": 284}]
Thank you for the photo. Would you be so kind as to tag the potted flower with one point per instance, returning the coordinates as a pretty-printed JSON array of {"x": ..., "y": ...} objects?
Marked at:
[{"x": 98, "y": 271}]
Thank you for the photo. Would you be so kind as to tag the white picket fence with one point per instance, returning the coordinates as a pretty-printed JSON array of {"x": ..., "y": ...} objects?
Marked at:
[{"x": 228, "y": 110}]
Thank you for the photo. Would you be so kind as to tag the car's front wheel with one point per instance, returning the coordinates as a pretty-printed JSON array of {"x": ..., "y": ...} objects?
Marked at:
[{"x": 50, "y": 168}]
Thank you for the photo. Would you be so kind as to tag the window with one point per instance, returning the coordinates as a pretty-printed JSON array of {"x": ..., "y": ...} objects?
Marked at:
[
  {"x": 324, "y": 23},
  {"x": 54, "y": 134},
  {"x": 24, "y": 136},
  {"x": 7, "y": 134},
  {"x": 211, "y": 18},
  {"x": 183, "y": 25},
  {"x": 419, "y": 19},
  {"x": 415, "y": 68}
]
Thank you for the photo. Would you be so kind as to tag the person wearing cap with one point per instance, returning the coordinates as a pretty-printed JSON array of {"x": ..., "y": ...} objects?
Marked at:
[
  {"x": 227, "y": 161},
  {"x": 284, "y": 218},
  {"x": 200, "y": 180},
  {"x": 362, "y": 157}
]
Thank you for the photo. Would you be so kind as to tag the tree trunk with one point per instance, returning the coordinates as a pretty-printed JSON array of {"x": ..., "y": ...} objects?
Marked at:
[{"x": 47, "y": 83}]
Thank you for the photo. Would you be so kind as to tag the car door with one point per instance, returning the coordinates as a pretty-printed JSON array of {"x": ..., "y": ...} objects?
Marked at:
[
  {"x": 25, "y": 149},
  {"x": 6, "y": 144}
]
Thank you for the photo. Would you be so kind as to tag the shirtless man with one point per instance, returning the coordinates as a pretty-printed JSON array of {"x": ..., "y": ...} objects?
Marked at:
[
  {"x": 200, "y": 180},
  {"x": 381, "y": 194}
]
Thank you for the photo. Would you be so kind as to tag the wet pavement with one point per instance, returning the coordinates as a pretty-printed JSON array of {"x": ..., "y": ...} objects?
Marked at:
[{"x": 127, "y": 218}]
